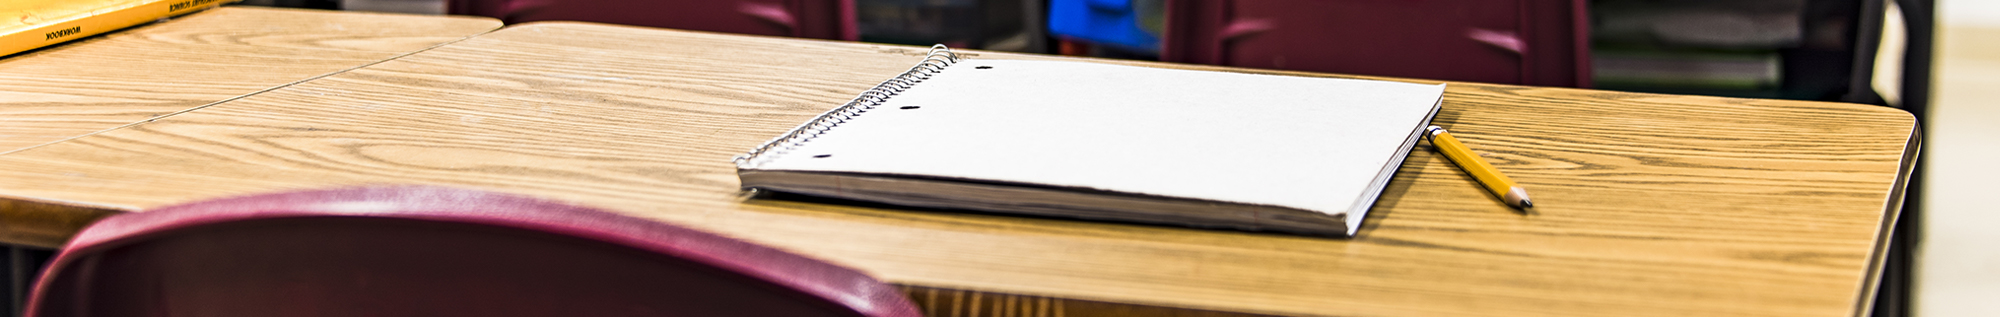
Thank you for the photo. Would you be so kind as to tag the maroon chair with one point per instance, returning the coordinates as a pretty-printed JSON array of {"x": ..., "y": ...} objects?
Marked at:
[
  {"x": 1525, "y": 42},
  {"x": 821, "y": 19},
  {"x": 429, "y": 251}
]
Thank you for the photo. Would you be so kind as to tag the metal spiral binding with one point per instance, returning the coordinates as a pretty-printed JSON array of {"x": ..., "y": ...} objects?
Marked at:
[{"x": 939, "y": 57}]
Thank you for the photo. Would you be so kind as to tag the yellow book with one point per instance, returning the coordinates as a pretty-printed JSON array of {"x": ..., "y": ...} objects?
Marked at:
[{"x": 30, "y": 24}]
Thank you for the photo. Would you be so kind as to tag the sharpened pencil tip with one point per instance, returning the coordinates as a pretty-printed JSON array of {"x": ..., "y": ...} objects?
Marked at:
[{"x": 1517, "y": 197}]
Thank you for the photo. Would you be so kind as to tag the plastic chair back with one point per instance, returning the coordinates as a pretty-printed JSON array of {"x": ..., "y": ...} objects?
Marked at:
[
  {"x": 1108, "y": 22},
  {"x": 1526, "y": 42},
  {"x": 821, "y": 19},
  {"x": 429, "y": 251}
]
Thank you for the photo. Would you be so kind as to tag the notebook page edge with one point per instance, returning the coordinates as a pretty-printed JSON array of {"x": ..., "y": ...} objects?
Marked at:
[{"x": 1359, "y": 212}]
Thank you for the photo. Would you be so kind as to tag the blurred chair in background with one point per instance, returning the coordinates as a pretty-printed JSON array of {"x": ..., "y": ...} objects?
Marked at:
[
  {"x": 820, "y": 19},
  {"x": 429, "y": 251},
  {"x": 1522, "y": 42},
  {"x": 1113, "y": 28}
]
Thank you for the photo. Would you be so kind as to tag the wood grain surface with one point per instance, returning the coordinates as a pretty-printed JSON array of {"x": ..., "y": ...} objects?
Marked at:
[
  {"x": 153, "y": 70},
  {"x": 1647, "y": 205}
]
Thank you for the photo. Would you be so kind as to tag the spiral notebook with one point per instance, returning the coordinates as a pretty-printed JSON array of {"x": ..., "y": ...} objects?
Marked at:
[{"x": 1106, "y": 142}]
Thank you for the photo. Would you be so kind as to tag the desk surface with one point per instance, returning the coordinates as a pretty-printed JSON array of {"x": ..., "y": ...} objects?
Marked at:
[
  {"x": 1648, "y": 204},
  {"x": 158, "y": 69}
]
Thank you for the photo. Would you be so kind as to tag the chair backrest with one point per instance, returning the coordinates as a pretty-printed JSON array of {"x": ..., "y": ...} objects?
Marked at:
[
  {"x": 1118, "y": 23},
  {"x": 821, "y": 19},
  {"x": 430, "y": 251},
  {"x": 1526, "y": 42}
]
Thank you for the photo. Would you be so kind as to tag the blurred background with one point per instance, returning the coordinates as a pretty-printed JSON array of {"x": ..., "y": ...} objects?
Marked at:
[
  {"x": 1939, "y": 60},
  {"x": 1959, "y": 259}
]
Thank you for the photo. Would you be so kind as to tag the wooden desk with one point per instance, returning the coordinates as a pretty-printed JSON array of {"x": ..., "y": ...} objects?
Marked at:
[
  {"x": 158, "y": 69},
  {"x": 1648, "y": 204}
]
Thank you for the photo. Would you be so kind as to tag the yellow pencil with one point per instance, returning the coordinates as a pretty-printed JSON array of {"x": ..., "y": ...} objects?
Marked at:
[{"x": 1495, "y": 182}]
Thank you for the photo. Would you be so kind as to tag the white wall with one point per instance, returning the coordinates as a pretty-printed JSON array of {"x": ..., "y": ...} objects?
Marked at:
[
  {"x": 1969, "y": 12},
  {"x": 1958, "y": 263}
]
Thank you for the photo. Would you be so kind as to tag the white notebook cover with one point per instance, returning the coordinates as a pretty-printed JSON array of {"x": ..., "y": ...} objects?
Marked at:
[{"x": 1320, "y": 144}]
